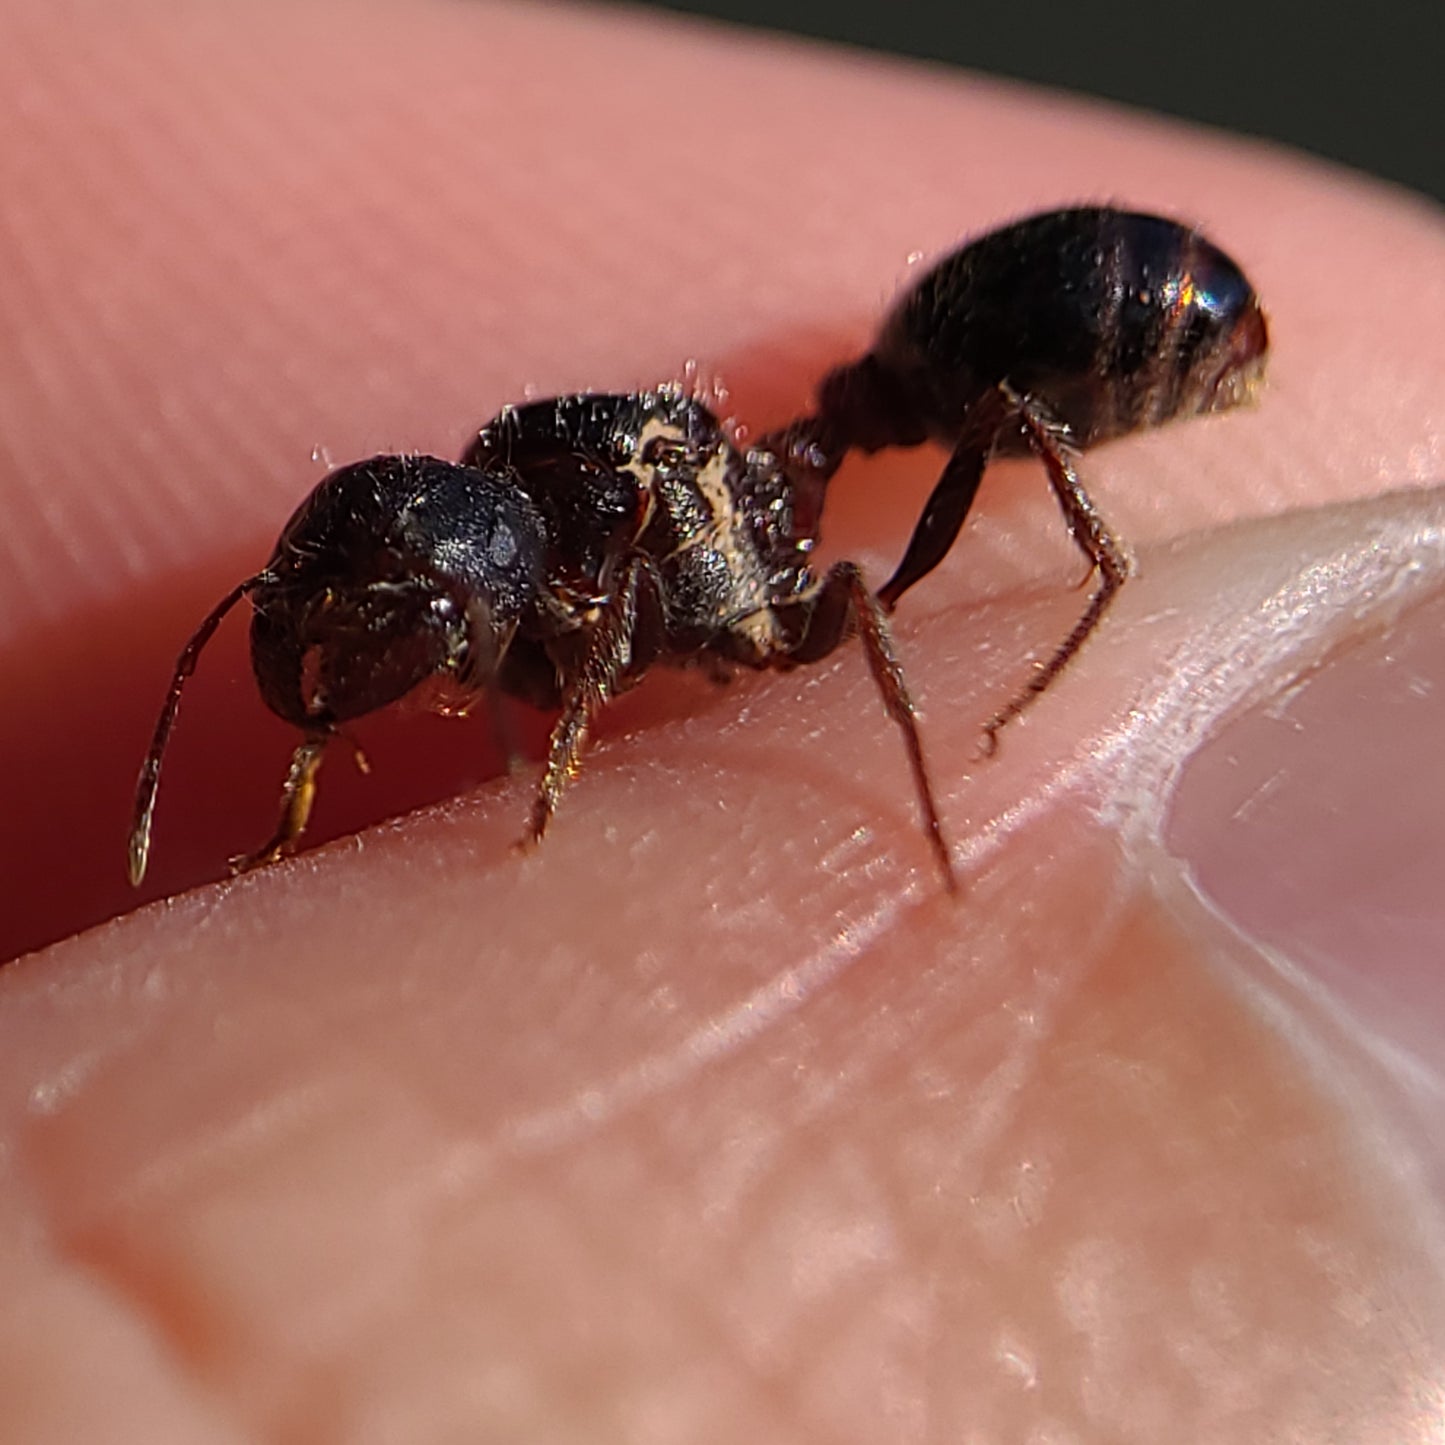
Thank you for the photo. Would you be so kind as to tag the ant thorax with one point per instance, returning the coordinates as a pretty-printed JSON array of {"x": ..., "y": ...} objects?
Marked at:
[{"x": 655, "y": 473}]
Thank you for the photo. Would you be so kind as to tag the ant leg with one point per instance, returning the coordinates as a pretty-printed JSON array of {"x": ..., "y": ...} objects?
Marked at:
[
  {"x": 942, "y": 517},
  {"x": 844, "y": 604},
  {"x": 486, "y": 653},
  {"x": 951, "y": 498},
  {"x": 297, "y": 797},
  {"x": 504, "y": 730},
  {"x": 1094, "y": 538},
  {"x": 609, "y": 653}
]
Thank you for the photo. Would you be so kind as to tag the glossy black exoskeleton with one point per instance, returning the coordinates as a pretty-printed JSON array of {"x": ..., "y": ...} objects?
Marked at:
[
  {"x": 1050, "y": 335},
  {"x": 578, "y": 542}
]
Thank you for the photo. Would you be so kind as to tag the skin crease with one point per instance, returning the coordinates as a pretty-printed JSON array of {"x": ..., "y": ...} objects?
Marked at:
[{"x": 714, "y": 1119}]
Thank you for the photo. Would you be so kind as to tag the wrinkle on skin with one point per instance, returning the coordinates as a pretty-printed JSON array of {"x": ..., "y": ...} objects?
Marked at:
[
  {"x": 971, "y": 1133},
  {"x": 714, "y": 1119}
]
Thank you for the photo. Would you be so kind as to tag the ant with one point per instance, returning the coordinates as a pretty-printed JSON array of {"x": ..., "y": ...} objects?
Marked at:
[
  {"x": 1048, "y": 336},
  {"x": 583, "y": 539}
]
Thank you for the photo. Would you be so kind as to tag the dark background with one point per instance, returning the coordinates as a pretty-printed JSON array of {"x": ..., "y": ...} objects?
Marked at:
[{"x": 1362, "y": 83}]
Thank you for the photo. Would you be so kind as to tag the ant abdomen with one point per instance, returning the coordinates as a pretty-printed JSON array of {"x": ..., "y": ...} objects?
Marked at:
[
  {"x": 1046, "y": 336},
  {"x": 1113, "y": 320}
]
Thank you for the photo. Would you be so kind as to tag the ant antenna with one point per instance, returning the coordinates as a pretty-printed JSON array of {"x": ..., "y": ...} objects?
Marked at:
[{"x": 138, "y": 851}]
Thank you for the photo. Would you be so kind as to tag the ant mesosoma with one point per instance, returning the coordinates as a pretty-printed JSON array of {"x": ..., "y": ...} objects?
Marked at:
[
  {"x": 1048, "y": 336},
  {"x": 581, "y": 540}
]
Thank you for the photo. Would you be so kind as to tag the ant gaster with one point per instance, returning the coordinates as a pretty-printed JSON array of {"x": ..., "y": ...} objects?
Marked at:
[
  {"x": 1047, "y": 336},
  {"x": 584, "y": 539},
  {"x": 578, "y": 542}
]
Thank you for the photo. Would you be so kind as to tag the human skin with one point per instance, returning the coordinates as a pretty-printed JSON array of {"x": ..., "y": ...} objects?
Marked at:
[{"x": 715, "y": 1118}]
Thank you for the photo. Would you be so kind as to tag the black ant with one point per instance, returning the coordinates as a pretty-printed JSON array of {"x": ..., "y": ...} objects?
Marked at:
[
  {"x": 1050, "y": 335},
  {"x": 581, "y": 540}
]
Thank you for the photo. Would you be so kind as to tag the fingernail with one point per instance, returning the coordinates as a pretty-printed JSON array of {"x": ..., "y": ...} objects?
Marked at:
[{"x": 1315, "y": 822}]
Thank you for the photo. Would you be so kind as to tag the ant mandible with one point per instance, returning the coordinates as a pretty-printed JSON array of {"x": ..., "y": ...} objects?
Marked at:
[{"x": 584, "y": 539}]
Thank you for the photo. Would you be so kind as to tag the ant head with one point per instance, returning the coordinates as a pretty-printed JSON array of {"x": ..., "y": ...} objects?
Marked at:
[{"x": 393, "y": 571}]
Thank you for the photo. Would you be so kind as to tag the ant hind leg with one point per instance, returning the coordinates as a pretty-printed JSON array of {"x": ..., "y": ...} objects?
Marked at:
[{"x": 1093, "y": 536}]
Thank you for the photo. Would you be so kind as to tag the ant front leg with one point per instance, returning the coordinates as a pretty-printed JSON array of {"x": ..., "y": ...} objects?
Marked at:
[
  {"x": 1092, "y": 535},
  {"x": 297, "y": 799},
  {"x": 611, "y": 652},
  {"x": 842, "y": 605}
]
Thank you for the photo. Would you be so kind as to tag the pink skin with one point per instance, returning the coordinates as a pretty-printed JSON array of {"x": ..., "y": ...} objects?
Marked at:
[{"x": 714, "y": 1119}]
